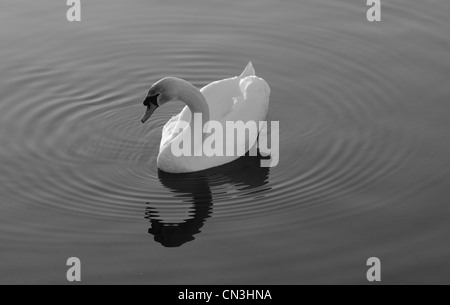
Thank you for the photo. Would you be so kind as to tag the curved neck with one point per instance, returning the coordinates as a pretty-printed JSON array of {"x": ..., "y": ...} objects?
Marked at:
[{"x": 195, "y": 100}]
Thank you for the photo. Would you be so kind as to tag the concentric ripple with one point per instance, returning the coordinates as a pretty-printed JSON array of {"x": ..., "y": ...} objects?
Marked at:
[{"x": 72, "y": 142}]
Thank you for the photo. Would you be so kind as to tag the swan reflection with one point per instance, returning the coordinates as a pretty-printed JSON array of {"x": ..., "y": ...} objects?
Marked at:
[{"x": 175, "y": 225}]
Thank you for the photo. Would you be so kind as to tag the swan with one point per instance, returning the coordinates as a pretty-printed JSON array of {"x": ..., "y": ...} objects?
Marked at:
[{"x": 242, "y": 98}]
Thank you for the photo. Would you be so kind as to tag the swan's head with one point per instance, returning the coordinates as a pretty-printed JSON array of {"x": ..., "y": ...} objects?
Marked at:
[{"x": 164, "y": 91}]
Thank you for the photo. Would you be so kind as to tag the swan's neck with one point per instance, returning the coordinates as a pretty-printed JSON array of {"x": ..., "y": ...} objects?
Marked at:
[{"x": 196, "y": 102}]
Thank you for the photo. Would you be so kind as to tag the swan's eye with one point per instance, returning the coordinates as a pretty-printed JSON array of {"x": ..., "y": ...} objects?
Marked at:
[{"x": 151, "y": 100}]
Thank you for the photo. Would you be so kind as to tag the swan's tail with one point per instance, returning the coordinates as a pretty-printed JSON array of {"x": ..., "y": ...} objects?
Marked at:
[{"x": 249, "y": 71}]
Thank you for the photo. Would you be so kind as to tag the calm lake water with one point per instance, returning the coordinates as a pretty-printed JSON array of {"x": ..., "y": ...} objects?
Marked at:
[{"x": 364, "y": 133}]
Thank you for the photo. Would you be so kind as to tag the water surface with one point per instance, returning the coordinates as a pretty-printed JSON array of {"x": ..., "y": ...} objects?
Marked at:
[{"x": 364, "y": 143}]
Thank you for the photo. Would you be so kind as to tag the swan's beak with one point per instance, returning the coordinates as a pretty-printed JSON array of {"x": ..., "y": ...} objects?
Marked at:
[{"x": 148, "y": 113}]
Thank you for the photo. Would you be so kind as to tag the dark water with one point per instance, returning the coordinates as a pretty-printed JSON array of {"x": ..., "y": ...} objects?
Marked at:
[{"x": 364, "y": 160}]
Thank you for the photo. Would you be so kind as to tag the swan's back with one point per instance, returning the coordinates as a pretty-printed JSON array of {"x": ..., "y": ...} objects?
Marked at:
[{"x": 242, "y": 98}]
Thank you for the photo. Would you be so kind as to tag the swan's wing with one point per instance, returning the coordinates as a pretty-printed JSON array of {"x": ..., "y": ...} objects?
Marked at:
[
  {"x": 243, "y": 98},
  {"x": 221, "y": 95},
  {"x": 248, "y": 71},
  {"x": 253, "y": 101},
  {"x": 251, "y": 107}
]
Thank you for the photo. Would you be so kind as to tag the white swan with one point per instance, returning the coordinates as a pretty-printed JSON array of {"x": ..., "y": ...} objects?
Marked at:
[{"x": 242, "y": 98}]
